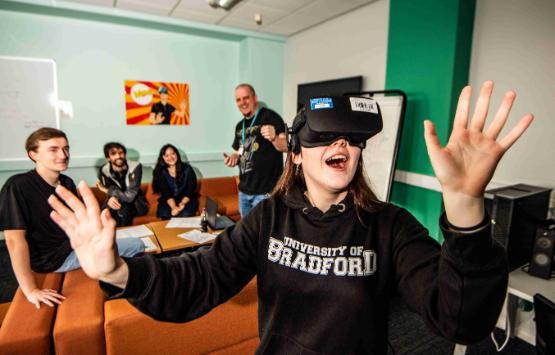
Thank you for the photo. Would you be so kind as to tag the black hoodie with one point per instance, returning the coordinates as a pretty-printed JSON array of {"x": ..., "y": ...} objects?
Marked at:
[{"x": 325, "y": 279}]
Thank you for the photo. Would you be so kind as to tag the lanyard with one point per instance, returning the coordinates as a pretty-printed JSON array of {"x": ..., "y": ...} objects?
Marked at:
[{"x": 243, "y": 131}]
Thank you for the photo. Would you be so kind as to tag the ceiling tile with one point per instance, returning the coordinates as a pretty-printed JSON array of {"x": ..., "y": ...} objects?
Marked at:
[
  {"x": 326, "y": 9},
  {"x": 109, "y": 3},
  {"x": 199, "y": 6},
  {"x": 282, "y": 17},
  {"x": 247, "y": 11},
  {"x": 285, "y": 5},
  {"x": 158, "y": 7},
  {"x": 192, "y": 15},
  {"x": 292, "y": 24}
]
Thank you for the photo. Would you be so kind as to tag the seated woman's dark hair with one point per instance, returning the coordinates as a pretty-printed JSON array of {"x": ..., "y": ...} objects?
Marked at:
[{"x": 161, "y": 165}]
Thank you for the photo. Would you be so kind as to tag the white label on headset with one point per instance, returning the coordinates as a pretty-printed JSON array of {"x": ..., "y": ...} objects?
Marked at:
[
  {"x": 363, "y": 104},
  {"x": 319, "y": 103}
]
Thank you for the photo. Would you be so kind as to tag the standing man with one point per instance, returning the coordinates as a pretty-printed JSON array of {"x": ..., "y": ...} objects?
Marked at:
[
  {"x": 120, "y": 179},
  {"x": 257, "y": 148},
  {"x": 161, "y": 112},
  {"x": 34, "y": 242}
]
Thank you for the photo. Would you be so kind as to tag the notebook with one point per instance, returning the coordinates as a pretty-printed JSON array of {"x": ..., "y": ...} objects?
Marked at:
[{"x": 215, "y": 221}]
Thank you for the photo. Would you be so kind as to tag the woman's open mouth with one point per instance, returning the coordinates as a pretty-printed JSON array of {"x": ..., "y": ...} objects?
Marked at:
[{"x": 337, "y": 161}]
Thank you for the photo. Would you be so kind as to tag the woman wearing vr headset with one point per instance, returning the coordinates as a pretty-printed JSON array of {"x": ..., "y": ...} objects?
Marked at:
[{"x": 327, "y": 254}]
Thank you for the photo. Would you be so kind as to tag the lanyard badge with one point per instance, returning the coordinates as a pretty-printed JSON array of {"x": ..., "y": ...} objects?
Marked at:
[{"x": 242, "y": 146}]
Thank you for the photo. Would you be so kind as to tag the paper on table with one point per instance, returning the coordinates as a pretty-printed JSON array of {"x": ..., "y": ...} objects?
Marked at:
[
  {"x": 184, "y": 222},
  {"x": 149, "y": 245},
  {"x": 135, "y": 232},
  {"x": 197, "y": 236}
]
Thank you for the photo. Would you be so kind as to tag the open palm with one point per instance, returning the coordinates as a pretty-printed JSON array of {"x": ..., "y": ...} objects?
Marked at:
[
  {"x": 92, "y": 234},
  {"x": 467, "y": 163}
]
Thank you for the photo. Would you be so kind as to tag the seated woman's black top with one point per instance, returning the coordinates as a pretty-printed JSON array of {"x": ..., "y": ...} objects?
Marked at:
[{"x": 184, "y": 184}]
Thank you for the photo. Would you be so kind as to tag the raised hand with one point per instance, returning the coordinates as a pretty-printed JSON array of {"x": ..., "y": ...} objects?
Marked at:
[
  {"x": 92, "y": 234},
  {"x": 467, "y": 163},
  {"x": 268, "y": 132}
]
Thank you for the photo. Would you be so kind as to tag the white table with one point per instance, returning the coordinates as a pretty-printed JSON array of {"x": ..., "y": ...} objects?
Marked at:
[{"x": 524, "y": 286}]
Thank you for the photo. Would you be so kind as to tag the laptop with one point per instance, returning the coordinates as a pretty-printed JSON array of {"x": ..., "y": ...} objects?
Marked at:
[{"x": 214, "y": 220}]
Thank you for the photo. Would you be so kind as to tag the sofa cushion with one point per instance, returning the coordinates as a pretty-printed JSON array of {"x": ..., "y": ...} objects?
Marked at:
[
  {"x": 79, "y": 326},
  {"x": 225, "y": 185},
  {"x": 233, "y": 324},
  {"x": 224, "y": 191},
  {"x": 248, "y": 346},
  {"x": 25, "y": 329},
  {"x": 3, "y": 310},
  {"x": 228, "y": 205}
]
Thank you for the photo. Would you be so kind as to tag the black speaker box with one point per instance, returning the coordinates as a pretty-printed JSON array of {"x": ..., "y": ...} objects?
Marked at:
[
  {"x": 517, "y": 211},
  {"x": 542, "y": 262}
]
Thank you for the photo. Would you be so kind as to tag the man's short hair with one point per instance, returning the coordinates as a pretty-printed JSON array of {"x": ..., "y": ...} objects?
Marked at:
[
  {"x": 42, "y": 134},
  {"x": 245, "y": 85},
  {"x": 113, "y": 145}
]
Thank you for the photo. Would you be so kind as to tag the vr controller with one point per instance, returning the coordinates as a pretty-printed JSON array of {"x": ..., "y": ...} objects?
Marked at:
[{"x": 322, "y": 121}]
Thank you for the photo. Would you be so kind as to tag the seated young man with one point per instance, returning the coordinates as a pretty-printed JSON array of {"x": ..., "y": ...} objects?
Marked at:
[
  {"x": 34, "y": 241},
  {"x": 120, "y": 179}
]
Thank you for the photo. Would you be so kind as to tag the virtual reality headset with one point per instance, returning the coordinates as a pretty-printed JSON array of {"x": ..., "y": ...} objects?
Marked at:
[{"x": 323, "y": 120}]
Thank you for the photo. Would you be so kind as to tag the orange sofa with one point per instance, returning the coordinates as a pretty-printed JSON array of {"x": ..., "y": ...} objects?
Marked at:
[
  {"x": 85, "y": 323},
  {"x": 231, "y": 328},
  {"x": 25, "y": 329},
  {"x": 222, "y": 189}
]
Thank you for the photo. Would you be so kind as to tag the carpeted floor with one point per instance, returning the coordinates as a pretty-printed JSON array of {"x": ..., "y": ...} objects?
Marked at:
[
  {"x": 409, "y": 335},
  {"x": 407, "y": 332}
]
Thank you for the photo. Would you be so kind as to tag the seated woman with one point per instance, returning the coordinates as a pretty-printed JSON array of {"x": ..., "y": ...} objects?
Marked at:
[{"x": 176, "y": 182}]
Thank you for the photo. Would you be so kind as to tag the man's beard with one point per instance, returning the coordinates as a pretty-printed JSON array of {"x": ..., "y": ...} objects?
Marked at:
[{"x": 119, "y": 163}]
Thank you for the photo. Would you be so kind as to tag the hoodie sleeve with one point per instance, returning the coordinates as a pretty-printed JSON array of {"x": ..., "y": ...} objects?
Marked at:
[
  {"x": 458, "y": 288},
  {"x": 183, "y": 288}
]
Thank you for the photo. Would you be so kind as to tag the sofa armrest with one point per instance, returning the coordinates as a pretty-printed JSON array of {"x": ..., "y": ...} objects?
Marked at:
[
  {"x": 225, "y": 185},
  {"x": 3, "y": 310},
  {"x": 79, "y": 326},
  {"x": 25, "y": 329},
  {"x": 224, "y": 191},
  {"x": 232, "y": 325}
]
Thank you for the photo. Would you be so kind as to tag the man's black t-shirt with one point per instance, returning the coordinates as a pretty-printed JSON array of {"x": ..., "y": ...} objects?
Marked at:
[
  {"x": 24, "y": 205},
  {"x": 166, "y": 111},
  {"x": 260, "y": 165}
]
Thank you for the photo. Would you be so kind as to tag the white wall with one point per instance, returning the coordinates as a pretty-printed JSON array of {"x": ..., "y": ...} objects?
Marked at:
[
  {"x": 349, "y": 45},
  {"x": 514, "y": 44}
]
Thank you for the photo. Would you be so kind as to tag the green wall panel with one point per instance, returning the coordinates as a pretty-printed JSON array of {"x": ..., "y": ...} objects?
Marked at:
[
  {"x": 429, "y": 47},
  {"x": 424, "y": 204}
]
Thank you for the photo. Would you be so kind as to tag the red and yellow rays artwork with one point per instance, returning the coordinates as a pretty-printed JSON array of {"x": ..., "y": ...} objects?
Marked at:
[{"x": 149, "y": 102}]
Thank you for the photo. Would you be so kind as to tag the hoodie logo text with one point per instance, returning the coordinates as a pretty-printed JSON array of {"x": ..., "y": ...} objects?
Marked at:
[{"x": 339, "y": 261}]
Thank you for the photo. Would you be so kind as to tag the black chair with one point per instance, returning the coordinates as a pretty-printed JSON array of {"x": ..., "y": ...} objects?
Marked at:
[{"x": 544, "y": 311}]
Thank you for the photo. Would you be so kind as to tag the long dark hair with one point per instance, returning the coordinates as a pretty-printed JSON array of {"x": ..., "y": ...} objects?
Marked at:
[
  {"x": 157, "y": 174},
  {"x": 363, "y": 196}
]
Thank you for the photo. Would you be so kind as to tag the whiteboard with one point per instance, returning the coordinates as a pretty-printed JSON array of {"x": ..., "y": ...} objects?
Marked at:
[
  {"x": 380, "y": 155},
  {"x": 28, "y": 101}
]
